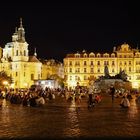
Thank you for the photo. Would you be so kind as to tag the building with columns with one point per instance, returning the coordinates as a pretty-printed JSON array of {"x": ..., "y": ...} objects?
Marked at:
[
  {"x": 80, "y": 67},
  {"x": 17, "y": 63}
]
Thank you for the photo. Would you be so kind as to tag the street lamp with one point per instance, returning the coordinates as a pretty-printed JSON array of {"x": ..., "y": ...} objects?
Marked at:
[{"x": 5, "y": 83}]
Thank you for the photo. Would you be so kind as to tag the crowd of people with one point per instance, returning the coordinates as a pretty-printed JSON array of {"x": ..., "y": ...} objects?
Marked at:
[{"x": 38, "y": 97}]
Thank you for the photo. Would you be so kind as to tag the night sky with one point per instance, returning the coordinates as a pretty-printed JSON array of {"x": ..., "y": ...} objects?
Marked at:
[{"x": 56, "y": 29}]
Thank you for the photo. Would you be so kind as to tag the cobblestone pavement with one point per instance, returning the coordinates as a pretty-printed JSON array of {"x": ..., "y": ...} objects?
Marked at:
[{"x": 60, "y": 119}]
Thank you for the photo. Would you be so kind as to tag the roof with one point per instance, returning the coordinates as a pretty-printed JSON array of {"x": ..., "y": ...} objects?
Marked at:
[{"x": 33, "y": 59}]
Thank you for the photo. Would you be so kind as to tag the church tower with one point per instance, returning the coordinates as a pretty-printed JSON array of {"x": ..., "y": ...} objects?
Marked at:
[
  {"x": 17, "y": 50},
  {"x": 21, "y": 32}
]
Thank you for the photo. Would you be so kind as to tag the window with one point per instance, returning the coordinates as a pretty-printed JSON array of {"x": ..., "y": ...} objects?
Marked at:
[
  {"x": 24, "y": 53},
  {"x": 98, "y": 70},
  {"x": 98, "y": 63},
  {"x": 38, "y": 76},
  {"x": 112, "y": 70},
  {"x": 16, "y": 73},
  {"x": 129, "y": 69},
  {"x": 129, "y": 62},
  {"x": 16, "y": 52},
  {"x": 77, "y": 70},
  {"x": 85, "y": 77},
  {"x": 107, "y": 62},
  {"x": 77, "y": 63},
  {"x": 76, "y": 78},
  {"x": 70, "y": 69},
  {"x": 91, "y": 63},
  {"x": 91, "y": 70},
  {"x": 70, "y": 78},
  {"x": 24, "y": 74},
  {"x": 125, "y": 63},
  {"x": 70, "y": 63},
  {"x": 85, "y": 70},
  {"x": 113, "y": 63},
  {"x": 32, "y": 76},
  {"x": 85, "y": 63}
]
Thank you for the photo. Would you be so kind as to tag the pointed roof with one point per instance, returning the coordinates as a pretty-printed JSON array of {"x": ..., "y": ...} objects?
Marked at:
[
  {"x": 21, "y": 26},
  {"x": 33, "y": 59}
]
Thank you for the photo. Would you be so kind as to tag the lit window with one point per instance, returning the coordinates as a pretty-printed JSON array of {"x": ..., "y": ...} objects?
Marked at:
[
  {"x": 91, "y": 63},
  {"x": 98, "y": 63},
  {"x": 85, "y": 63},
  {"x": 91, "y": 70},
  {"x": 85, "y": 70},
  {"x": 16, "y": 73}
]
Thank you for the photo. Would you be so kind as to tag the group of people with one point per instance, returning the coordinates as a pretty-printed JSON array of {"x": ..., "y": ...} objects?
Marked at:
[
  {"x": 38, "y": 98},
  {"x": 125, "y": 103}
]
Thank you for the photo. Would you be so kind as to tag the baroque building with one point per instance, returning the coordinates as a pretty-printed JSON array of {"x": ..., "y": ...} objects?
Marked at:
[
  {"x": 80, "y": 67},
  {"x": 17, "y": 63}
]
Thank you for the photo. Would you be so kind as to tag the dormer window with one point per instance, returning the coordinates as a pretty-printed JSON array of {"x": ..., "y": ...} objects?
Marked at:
[
  {"x": 113, "y": 55},
  {"x": 91, "y": 55},
  {"x": 77, "y": 55},
  {"x": 85, "y": 55},
  {"x": 98, "y": 55}
]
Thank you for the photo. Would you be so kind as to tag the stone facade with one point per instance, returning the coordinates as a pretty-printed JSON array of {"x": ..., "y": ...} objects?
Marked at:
[
  {"x": 80, "y": 67},
  {"x": 23, "y": 68}
]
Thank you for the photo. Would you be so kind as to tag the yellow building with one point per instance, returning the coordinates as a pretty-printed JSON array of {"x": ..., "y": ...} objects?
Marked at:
[
  {"x": 80, "y": 67},
  {"x": 52, "y": 67},
  {"x": 17, "y": 63}
]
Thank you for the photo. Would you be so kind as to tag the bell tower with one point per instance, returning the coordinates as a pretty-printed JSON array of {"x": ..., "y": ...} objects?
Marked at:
[{"x": 17, "y": 50}]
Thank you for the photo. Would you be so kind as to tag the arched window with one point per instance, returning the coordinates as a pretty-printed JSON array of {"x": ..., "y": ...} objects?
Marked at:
[
  {"x": 24, "y": 53},
  {"x": 16, "y": 52}
]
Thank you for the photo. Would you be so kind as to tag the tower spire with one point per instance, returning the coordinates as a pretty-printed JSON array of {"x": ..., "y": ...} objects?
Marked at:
[
  {"x": 21, "y": 26},
  {"x": 16, "y": 30},
  {"x": 21, "y": 32},
  {"x": 35, "y": 54}
]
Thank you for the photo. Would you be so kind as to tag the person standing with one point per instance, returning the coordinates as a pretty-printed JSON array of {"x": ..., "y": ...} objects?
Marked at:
[
  {"x": 112, "y": 92},
  {"x": 90, "y": 94}
]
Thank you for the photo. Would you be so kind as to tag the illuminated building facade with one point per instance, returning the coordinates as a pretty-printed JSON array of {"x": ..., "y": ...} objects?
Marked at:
[
  {"x": 80, "y": 67},
  {"x": 17, "y": 63}
]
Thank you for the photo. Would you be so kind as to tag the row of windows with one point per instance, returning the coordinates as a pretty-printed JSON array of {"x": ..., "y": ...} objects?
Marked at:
[
  {"x": 85, "y": 70},
  {"x": 77, "y": 78},
  {"x": 77, "y": 63},
  {"x": 21, "y": 53},
  {"x": 107, "y": 55},
  {"x": 92, "y": 70},
  {"x": 32, "y": 75},
  {"x": 85, "y": 77}
]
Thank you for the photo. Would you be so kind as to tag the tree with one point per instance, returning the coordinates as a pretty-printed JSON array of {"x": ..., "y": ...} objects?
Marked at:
[{"x": 5, "y": 77}]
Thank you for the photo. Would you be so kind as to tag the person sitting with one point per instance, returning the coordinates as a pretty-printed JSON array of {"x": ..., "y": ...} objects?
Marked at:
[
  {"x": 98, "y": 98},
  {"x": 40, "y": 101},
  {"x": 125, "y": 102}
]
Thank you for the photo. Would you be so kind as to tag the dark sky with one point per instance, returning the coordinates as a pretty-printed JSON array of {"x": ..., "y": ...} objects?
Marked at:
[{"x": 56, "y": 29}]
